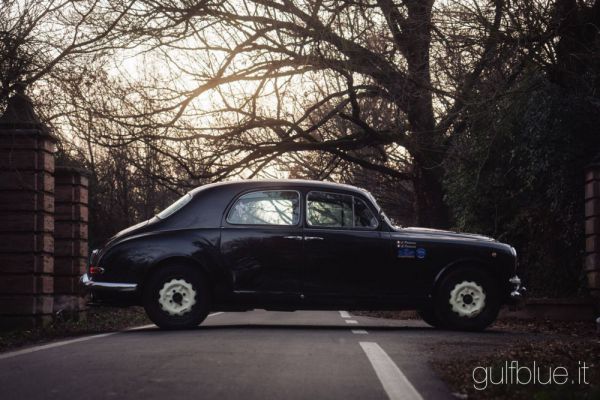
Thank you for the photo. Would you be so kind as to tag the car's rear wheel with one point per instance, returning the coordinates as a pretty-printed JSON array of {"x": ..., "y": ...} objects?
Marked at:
[
  {"x": 176, "y": 297},
  {"x": 467, "y": 299}
]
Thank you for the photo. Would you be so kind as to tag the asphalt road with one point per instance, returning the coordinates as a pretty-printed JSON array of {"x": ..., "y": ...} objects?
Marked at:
[{"x": 252, "y": 355}]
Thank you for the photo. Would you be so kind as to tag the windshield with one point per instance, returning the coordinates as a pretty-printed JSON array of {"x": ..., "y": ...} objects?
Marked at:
[
  {"x": 380, "y": 210},
  {"x": 175, "y": 206}
]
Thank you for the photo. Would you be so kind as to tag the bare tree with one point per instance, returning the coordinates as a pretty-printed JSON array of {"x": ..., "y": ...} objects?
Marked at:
[
  {"x": 266, "y": 78},
  {"x": 40, "y": 40},
  {"x": 237, "y": 87}
]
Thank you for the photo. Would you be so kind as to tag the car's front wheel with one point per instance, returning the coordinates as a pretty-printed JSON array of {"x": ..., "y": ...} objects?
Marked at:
[
  {"x": 467, "y": 299},
  {"x": 176, "y": 297}
]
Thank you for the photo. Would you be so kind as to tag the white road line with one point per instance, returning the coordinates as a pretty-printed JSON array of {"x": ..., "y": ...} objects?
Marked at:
[
  {"x": 359, "y": 332},
  {"x": 138, "y": 328},
  {"x": 344, "y": 314},
  {"x": 52, "y": 345},
  {"x": 81, "y": 339},
  {"x": 351, "y": 321},
  {"x": 216, "y": 313},
  {"x": 394, "y": 382}
]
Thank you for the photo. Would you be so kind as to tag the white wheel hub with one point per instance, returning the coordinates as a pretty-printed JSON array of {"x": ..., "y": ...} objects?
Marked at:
[
  {"x": 177, "y": 297},
  {"x": 467, "y": 299}
]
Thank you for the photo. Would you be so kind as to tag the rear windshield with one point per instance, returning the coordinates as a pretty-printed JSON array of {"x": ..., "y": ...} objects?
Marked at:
[{"x": 175, "y": 206}]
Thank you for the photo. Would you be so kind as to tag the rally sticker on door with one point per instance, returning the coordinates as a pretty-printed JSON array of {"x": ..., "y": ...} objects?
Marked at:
[
  {"x": 404, "y": 252},
  {"x": 408, "y": 249}
]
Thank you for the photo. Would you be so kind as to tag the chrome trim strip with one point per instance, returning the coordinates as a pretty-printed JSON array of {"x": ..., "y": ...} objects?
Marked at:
[
  {"x": 293, "y": 237},
  {"x": 515, "y": 280},
  {"x": 517, "y": 291},
  {"x": 516, "y": 295},
  {"x": 313, "y": 238},
  {"x": 118, "y": 287}
]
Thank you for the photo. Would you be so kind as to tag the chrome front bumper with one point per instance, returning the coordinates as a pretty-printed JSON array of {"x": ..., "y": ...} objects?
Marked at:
[
  {"x": 109, "y": 286},
  {"x": 517, "y": 290}
]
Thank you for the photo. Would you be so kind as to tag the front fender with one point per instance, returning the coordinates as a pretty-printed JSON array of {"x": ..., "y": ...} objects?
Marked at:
[{"x": 498, "y": 268}]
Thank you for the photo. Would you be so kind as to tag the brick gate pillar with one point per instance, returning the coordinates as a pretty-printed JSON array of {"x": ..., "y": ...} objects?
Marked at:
[
  {"x": 70, "y": 238},
  {"x": 26, "y": 216},
  {"x": 592, "y": 228}
]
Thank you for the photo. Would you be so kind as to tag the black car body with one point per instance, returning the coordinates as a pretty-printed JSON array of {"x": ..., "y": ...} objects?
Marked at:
[{"x": 290, "y": 245}]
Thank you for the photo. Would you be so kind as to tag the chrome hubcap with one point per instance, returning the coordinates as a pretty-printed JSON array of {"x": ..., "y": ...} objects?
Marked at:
[
  {"x": 177, "y": 297},
  {"x": 467, "y": 299}
]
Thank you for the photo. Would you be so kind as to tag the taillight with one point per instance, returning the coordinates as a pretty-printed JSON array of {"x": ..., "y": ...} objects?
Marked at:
[{"x": 96, "y": 270}]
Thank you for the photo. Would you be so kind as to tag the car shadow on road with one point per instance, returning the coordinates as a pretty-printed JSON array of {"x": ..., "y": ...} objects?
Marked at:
[{"x": 315, "y": 327}]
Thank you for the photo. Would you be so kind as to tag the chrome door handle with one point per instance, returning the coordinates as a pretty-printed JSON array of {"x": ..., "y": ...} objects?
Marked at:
[
  {"x": 313, "y": 238},
  {"x": 293, "y": 237}
]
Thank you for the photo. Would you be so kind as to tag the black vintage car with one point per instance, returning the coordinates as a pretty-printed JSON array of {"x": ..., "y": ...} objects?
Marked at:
[{"x": 292, "y": 245}]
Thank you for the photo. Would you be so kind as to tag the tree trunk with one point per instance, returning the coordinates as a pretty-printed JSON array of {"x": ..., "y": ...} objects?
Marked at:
[
  {"x": 428, "y": 155},
  {"x": 430, "y": 208},
  {"x": 425, "y": 148}
]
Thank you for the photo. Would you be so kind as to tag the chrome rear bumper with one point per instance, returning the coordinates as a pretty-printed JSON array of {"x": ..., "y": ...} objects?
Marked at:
[{"x": 108, "y": 286}]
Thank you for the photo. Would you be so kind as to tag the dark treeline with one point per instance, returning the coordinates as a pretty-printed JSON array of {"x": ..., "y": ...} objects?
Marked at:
[{"x": 471, "y": 115}]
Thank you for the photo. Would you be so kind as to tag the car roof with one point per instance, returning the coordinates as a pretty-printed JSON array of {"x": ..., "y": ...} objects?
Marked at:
[
  {"x": 258, "y": 183},
  {"x": 211, "y": 201}
]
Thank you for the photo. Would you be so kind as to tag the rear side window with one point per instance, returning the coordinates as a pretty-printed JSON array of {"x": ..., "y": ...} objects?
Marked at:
[
  {"x": 269, "y": 207},
  {"x": 334, "y": 210}
]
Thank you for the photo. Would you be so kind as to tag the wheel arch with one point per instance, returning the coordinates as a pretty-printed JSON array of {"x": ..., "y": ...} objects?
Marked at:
[
  {"x": 178, "y": 260},
  {"x": 463, "y": 263}
]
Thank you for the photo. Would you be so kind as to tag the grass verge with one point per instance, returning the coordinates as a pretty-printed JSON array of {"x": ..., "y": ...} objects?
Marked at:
[
  {"x": 556, "y": 346},
  {"x": 95, "y": 320},
  {"x": 558, "y": 365}
]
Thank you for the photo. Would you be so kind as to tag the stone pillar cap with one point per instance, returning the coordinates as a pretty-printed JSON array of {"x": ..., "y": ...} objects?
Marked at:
[
  {"x": 73, "y": 170},
  {"x": 19, "y": 114}
]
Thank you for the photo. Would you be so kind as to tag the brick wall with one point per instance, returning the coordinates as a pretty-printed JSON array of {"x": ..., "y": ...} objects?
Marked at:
[
  {"x": 43, "y": 223},
  {"x": 26, "y": 226},
  {"x": 592, "y": 228},
  {"x": 70, "y": 237}
]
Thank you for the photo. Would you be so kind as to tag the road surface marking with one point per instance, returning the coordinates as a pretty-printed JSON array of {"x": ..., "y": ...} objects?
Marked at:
[
  {"x": 359, "y": 332},
  {"x": 351, "y": 321},
  {"x": 394, "y": 382},
  {"x": 215, "y": 314},
  {"x": 138, "y": 328},
  {"x": 52, "y": 345},
  {"x": 344, "y": 314},
  {"x": 81, "y": 339}
]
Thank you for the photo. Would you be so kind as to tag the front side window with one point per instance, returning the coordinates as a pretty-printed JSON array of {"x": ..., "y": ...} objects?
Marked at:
[
  {"x": 272, "y": 207},
  {"x": 363, "y": 216},
  {"x": 330, "y": 210},
  {"x": 334, "y": 210}
]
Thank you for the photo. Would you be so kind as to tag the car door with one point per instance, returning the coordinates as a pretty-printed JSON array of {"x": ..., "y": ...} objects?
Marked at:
[
  {"x": 261, "y": 242},
  {"x": 346, "y": 253}
]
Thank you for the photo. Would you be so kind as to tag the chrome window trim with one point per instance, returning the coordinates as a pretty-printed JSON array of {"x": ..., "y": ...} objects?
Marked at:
[
  {"x": 232, "y": 207},
  {"x": 341, "y": 228}
]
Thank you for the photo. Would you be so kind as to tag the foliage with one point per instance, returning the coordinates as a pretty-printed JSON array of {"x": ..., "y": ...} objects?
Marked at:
[
  {"x": 518, "y": 175},
  {"x": 549, "y": 352}
]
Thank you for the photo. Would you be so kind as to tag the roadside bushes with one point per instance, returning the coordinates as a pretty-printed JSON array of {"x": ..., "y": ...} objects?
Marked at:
[{"x": 517, "y": 174}]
